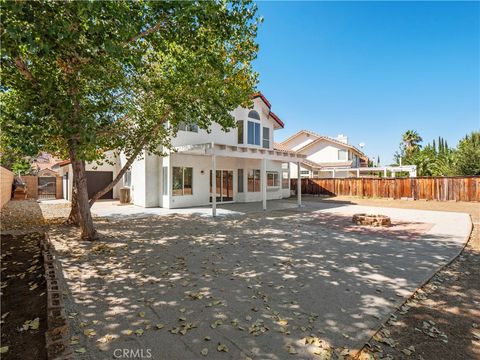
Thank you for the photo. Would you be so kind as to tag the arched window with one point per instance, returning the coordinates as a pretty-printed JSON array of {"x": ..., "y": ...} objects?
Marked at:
[{"x": 254, "y": 115}]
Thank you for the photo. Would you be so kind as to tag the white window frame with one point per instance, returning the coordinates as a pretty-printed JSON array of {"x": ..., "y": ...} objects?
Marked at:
[
  {"x": 255, "y": 171},
  {"x": 342, "y": 151},
  {"x": 183, "y": 180},
  {"x": 188, "y": 127},
  {"x": 256, "y": 125},
  {"x": 127, "y": 176},
  {"x": 276, "y": 175},
  {"x": 264, "y": 139}
]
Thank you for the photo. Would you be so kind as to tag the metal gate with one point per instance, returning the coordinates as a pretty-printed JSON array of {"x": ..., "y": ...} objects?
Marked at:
[{"x": 47, "y": 187}]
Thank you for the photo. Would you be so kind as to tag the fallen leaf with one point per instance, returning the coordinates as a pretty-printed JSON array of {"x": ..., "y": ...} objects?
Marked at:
[
  {"x": 291, "y": 350},
  {"x": 139, "y": 332},
  {"x": 222, "y": 347},
  {"x": 141, "y": 314},
  {"x": 204, "y": 352},
  {"x": 90, "y": 332},
  {"x": 160, "y": 325},
  {"x": 81, "y": 350},
  {"x": 3, "y": 349},
  {"x": 128, "y": 332}
]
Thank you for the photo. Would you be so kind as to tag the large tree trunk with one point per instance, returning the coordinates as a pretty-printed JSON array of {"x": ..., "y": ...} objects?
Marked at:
[
  {"x": 74, "y": 216},
  {"x": 80, "y": 181}
]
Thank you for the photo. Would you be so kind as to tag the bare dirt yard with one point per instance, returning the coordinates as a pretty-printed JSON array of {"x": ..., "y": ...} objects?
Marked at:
[{"x": 23, "y": 290}]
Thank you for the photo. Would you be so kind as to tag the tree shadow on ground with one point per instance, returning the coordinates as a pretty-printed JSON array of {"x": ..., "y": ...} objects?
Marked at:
[{"x": 259, "y": 284}]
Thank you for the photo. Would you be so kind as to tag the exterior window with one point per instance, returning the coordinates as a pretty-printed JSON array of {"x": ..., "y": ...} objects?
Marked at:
[
  {"x": 304, "y": 173},
  {"x": 254, "y": 115},
  {"x": 188, "y": 127},
  {"x": 266, "y": 138},
  {"x": 127, "y": 178},
  {"x": 165, "y": 180},
  {"x": 240, "y": 181},
  {"x": 342, "y": 155},
  {"x": 182, "y": 181},
  {"x": 273, "y": 180},
  {"x": 240, "y": 131},
  {"x": 253, "y": 180},
  {"x": 285, "y": 184},
  {"x": 253, "y": 133}
]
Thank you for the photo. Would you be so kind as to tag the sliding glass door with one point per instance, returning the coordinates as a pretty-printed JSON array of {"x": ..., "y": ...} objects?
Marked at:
[{"x": 224, "y": 185}]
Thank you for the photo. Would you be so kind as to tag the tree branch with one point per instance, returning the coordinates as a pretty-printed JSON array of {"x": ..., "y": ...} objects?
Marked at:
[
  {"x": 22, "y": 67},
  {"x": 129, "y": 162},
  {"x": 147, "y": 32}
]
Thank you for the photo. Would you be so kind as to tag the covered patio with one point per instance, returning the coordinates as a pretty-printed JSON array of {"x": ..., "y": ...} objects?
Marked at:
[{"x": 216, "y": 151}]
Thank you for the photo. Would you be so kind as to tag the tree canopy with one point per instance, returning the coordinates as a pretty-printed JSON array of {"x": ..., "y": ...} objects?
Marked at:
[
  {"x": 437, "y": 158},
  {"x": 80, "y": 78}
]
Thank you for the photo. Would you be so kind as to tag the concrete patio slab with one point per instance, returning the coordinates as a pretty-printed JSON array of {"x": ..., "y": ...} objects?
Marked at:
[
  {"x": 256, "y": 282},
  {"x": 116, "y": 210}
]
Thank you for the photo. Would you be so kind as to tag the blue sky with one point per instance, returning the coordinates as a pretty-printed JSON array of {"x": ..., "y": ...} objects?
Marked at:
[{"x": 372, "y": 70}]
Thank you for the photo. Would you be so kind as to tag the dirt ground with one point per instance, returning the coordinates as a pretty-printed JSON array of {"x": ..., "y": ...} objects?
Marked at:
[
  {"x": 442, "y": 320},
  {"x": 23, "y": 298}
]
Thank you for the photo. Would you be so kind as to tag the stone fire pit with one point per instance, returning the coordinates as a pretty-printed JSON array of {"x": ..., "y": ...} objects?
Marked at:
[{"x": 371, "y": 220}]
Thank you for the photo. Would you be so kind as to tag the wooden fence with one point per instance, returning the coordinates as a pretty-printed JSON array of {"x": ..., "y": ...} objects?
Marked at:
[
  {"x": 6, "y": 181},
  {"x": 33, "y": 191},
  {"x": 420, "y": 188}
]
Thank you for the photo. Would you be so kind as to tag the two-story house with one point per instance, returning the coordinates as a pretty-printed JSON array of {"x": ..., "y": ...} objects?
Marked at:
[
  {"x": 325, "y": 156},
  {"x": 240, "y": 165}
]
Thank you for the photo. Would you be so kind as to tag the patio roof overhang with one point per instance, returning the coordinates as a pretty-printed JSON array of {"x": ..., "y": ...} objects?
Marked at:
[{"x": 239, "y": 151}]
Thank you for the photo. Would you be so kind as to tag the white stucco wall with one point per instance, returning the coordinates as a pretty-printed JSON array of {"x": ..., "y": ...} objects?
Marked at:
[
  {"x": 299, "y": 141},
  {"x": 324, "y": 152},
  {"x": 217, "y": 135}
]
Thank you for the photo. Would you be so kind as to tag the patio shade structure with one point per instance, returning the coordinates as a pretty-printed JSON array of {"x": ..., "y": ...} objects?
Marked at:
[{"x": 220, "y": 150}]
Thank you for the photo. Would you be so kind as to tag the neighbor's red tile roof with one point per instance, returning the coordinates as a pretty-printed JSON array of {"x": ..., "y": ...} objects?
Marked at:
[{"x": 63, "y": 163}]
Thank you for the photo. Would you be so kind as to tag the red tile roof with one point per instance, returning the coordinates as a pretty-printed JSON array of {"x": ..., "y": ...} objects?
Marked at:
[
  {"x": 272, "y": 114},
  {"x": 277, "y": 119},
  {"x": 63, "y": 163},
  {"x": 264, "y": 99}
]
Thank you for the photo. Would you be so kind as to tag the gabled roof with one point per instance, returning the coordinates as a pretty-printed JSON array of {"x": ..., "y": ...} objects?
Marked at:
[
  {"x": 277, "y": 119},
  {"x": 319, "y": 138},
  {"x": 264, "y": 99},
  {"x": 272, "y": 114},
  {"x": 280, "y": 146}
]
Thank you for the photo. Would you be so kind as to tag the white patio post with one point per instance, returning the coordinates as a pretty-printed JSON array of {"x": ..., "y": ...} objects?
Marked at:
[
  {"x": 333, "y": 173},
  {"x": 385, "y": 172},
  {"x": 263, "y": 179},
  {"x": 214, "y": 186},
  {"x": 289, "y": 191},
  {"x": 299, "y": 185},
  {"x": 358, "y": 173}
]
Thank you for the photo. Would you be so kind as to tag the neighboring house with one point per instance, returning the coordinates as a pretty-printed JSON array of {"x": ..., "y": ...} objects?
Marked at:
[
  {"x": 44, "y": 165},
  {"x": 325, "y": 156},
  {"x": 240, "y": 165}
]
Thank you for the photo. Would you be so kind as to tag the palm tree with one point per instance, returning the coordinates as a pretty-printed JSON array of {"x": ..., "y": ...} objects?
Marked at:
[{"x": 411, "y": 140}]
